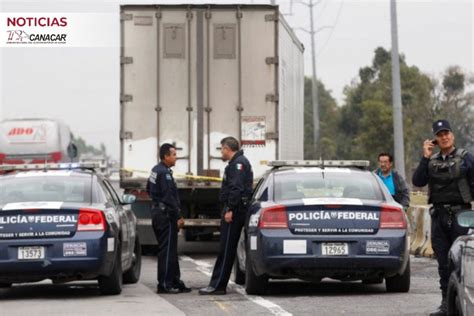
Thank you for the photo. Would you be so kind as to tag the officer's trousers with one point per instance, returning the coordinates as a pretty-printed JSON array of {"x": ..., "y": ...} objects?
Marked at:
[
  {"x": 442, "y": 237},
  {"x": 230, "y": 234},
  {"x": 165, "y": 227}
]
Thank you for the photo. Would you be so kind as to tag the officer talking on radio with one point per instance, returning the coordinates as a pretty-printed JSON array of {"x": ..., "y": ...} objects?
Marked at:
[
  {"x": 234, "y": 196},
  {"x": 449, "y": 174},
  {"x": 166, "y": 221}
]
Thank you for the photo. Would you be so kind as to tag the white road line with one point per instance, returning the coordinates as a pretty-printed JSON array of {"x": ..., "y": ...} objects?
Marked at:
[{"x": 206, "y": 268}]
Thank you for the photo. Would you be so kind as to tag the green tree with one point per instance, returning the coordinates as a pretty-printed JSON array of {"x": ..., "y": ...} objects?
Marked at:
[{"x": 329, "y": 117}]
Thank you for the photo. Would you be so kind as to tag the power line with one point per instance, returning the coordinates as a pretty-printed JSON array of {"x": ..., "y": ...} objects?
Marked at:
[{"x": 332, "y": 29}]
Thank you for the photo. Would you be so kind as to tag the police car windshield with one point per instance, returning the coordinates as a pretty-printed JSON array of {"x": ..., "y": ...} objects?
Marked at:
[
  {"x": 335, "y": 183},
  {"x": 38, "y": 186}
]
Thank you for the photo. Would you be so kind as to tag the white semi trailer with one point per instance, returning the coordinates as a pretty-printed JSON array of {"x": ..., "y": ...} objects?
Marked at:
[{"x": 193, "y": 74}]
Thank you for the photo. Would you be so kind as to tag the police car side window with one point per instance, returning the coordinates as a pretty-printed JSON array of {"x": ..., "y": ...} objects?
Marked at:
[
  {"x": 112, "y": 192},
  {"x": 107, "y": 193},
  {"x": 261, "y": 190}
]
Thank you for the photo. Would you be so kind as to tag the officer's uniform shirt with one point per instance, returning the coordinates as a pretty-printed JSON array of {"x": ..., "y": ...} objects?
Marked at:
[
  {"x": 162, "y": 188},
  {"x": 422, "y": 175},
  {"x": 237, "y": 182}
]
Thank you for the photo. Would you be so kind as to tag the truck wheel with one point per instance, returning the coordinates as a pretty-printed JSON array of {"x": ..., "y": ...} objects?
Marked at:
[
  {"x": 254, "y": 285},
  {"x": 239, "y": 275},
  {"x": 112, "y": 284},
  {"x": 189, "y": 235},
  {"x": 399, "y": 283},
  {"x": 453, "y": 301},
  {"x": 133, "y": 274}
]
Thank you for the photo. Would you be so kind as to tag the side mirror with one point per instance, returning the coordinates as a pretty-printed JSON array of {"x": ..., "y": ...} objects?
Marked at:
[
  {"x": 466, "y": 219},
  {"x": 72, "y": 151},
  {"x": 128, "y": 199}
]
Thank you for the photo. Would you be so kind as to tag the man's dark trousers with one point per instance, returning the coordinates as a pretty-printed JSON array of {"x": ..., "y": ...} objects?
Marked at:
[
  {"x": 165, "y": 227},
  {"x": 443, "y": 234},
  {"x": 230, "y": 235}
]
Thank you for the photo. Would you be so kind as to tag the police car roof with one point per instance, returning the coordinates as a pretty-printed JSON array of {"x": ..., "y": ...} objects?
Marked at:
[{"x": 49, "y": 173}]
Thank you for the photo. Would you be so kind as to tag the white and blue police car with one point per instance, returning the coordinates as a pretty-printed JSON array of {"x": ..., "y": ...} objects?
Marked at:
[
  {"x": 65, "y": 222},
  {"x": 323, "y": 219}
]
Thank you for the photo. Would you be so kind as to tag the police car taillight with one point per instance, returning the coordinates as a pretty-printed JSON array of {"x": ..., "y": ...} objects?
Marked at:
[
  {"x": 90, "y": 220},
  {"x": 274, "y": 217},
  {"x": 392, "y": 217}
]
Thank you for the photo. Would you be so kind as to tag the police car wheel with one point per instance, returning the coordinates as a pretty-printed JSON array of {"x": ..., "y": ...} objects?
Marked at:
[
  {"x": 5, "y": 285},
  {"x": 112, "y": 284},
  {"x": 399, "y": 283},
  {"x": 133, "y": 274},
  {"x": 453, "y": 300},
  {"x": 254, "y": 285},
  {"x": 239, "y": 275}
]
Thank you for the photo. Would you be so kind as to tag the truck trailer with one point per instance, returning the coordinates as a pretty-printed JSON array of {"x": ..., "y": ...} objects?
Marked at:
[{"x": 193, "y": 74}]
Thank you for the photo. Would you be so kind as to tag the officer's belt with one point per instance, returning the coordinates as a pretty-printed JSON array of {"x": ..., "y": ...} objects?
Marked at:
[{"x": 452, "y": 207}]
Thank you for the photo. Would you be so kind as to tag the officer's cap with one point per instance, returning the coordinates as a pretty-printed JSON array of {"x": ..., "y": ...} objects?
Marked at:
[{"x": 441, "y": 125}]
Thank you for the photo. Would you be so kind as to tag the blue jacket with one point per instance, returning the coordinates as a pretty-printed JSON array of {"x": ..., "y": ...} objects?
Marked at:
[
  {"x": 237, "y": 182},
  {"x": 162, "y": 188}
]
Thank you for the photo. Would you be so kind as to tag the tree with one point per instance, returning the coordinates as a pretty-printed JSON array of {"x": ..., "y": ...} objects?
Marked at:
[
  {"x": 329, "y": 117},
  {"x": 84, "y": 148}
]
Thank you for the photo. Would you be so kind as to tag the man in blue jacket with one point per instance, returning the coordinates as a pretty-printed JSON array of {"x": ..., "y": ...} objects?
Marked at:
[
  {"x": 394, "y": 182},
  {"x": 235, "y": 194}
]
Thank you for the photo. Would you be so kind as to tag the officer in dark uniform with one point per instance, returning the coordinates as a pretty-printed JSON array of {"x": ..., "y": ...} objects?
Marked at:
[
  {"x": 235, "y": 195},
  {"x": 166, "y": 221},
  {"x": 450, "y": 178}
]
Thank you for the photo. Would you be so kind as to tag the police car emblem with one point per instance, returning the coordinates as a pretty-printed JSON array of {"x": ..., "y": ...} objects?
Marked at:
[
  {"x": 31, "y": 219},
  {"x": 333, "y": 214}
]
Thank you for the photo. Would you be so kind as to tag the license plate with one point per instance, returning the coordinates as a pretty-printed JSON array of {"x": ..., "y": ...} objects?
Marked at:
[
  {"x": 30, "y": 253},
  {"x": 335, "y": 249}
]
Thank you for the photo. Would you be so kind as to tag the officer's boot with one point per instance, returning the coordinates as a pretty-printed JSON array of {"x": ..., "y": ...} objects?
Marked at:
[{"x": 442, "y": 309}]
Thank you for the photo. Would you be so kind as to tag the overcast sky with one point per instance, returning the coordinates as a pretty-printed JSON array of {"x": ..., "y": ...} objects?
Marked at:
[{"x": 81, "y": 85}]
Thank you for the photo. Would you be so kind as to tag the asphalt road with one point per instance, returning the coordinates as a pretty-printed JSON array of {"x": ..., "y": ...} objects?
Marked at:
[{"x": 289, "y": 297}]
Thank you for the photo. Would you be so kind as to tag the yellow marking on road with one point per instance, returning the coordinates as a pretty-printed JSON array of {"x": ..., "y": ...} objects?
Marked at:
[{"x": 222, "y": 306}]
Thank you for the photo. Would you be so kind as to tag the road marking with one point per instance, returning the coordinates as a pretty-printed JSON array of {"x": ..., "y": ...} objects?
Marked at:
[{"x": 206, "y": 268}]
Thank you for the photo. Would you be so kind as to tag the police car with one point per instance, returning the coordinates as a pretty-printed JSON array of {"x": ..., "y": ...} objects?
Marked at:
[
  {"x": 65, "y": 222},
  {"x": 460, "y": 298},
  {"x": 316, "y": 219}
]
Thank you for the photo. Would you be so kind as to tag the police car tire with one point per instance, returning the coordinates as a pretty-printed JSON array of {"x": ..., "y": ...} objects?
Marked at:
[
  {"x": 112, "y": 284},
  {"x": 239, "y": 275},
  {"x": 453, "y": 299},
  {"x": 399, "y": 283},
  {"x": 254, "y": 285},
  {"x": 132, "y": 275}
]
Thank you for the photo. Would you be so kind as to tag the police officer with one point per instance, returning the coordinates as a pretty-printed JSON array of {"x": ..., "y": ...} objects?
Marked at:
[
  {"x": 450, "y": 178},
  {"x": 166, "y": 221},
  {"x": 235, "y": 195}
]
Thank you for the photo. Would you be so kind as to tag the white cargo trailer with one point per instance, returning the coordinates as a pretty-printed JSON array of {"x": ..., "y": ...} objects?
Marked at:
[{"x": 193, "y": 74}]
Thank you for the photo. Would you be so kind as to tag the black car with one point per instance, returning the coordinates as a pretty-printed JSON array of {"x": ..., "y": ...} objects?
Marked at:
[
  {"x": 312, "y": 220},
  {"x": 65, "y": 222},
  {"x": 461, "y": 262}
]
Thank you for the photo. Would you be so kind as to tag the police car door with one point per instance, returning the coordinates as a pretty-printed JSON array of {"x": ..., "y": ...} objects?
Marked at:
[{"x": 124, "y": 222}]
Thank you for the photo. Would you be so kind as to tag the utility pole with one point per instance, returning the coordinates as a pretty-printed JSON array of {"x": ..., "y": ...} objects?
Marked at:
[
  {"x": 396, "y": 95},
  {"x": 314, "y": 86}
]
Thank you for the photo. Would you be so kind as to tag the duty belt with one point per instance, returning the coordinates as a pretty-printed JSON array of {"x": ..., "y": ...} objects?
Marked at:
[{"x": 451, "y": 209}]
